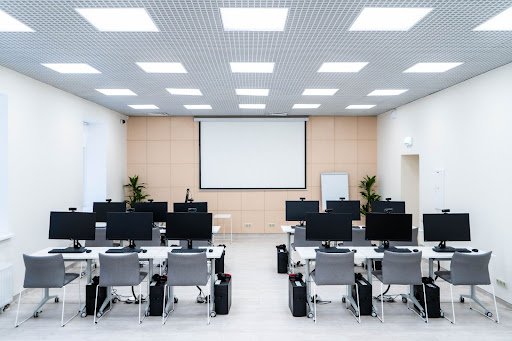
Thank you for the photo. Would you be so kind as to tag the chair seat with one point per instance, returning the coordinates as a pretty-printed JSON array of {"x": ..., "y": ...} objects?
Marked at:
[
  {"x": 69, "y": 277},
  {"x": 446, "y": 275}
]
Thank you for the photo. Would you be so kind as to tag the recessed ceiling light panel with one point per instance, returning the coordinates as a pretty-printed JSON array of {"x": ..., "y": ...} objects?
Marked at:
[
  {"x": 185, "y": 92},
  {"x": 71, "y": 67},
  {"x": 143, "y": 106},
  {"x": 254, "y": 19},
  {"x": 251, "y": 106},
  {"x": 388, "y": 19},
  {"x": 252, "y": 92},
  {"x": 342, "y": 67},
  {"x": 119, "y": 19},
  {"x": 360, "y": 106},
  {"x": 162, "y": 67},
  {"x": 252, "y": 67},
  {"x": 117, "y": 92},
  {"x": 9, "y": 24},
  {"x": 305, "y": 106},
  {"x": 319, "y": 92},
  {"x": 387, "y": 92},
  {"x": 198, "y": 106},
  {"x": 501, "y": 22},
  {"x": 431, "y": 67}
]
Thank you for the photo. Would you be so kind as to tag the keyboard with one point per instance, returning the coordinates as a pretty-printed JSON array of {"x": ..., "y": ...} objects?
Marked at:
[
  {"x": 380, "y": 250},
  {"x": 450, "y": 249},
  {"x": 188, "y": 250},
  {"x": 333, "y": 250},
  {"x": 68, "y": 250},
  {"x": 123, "y": 250}
]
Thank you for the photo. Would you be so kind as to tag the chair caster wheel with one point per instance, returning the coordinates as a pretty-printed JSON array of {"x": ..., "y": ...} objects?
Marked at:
[
  {"x": 83, "y": 314},
  {"x": 175, "y": 300},
  {"x": 213, "y": 314},
  {"x": 357, "y": 314},
  {"x": 56, "y": 300},
  {"x": 404, "y": 300},
  {"x": 146, "y": 313},
  {"x": 461, "y": 299},
  {"x": 115, "y": 300},
  {"x": 343, "y": 300},
  {"x": 166, "y": 314},
  {"x": 99, "y": 314},
  {"x": 488, "y": 314},
  {"x": 310, "y": 315},
  {"x": 374, "y": 314},
  {"x": 422, "y": 314},
  {"x": 36, "y": 314},
  {"x": 441, "y": 314}
]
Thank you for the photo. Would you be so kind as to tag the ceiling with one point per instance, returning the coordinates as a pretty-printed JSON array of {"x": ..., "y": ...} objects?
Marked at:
[{"x": 191, "y": 32}]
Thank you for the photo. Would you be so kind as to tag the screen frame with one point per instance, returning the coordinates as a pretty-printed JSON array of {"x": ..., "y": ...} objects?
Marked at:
[
  {"x": 258, "y": 188},
  {"x": 86, "y": 215},
  {"x": 341, "y": 216},
  {"x": 447, "y": 240},
  {"x": 185, "y": 214},
  {"x": 149, "y": 235},
  {"x": 373, "y": 229},
  {"x": 336, "y": 202},
  {"x": 300, "y": 201}
]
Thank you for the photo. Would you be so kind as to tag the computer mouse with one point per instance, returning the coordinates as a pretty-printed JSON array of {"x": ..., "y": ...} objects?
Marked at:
[
  {"x": 354, "y": 250},
  {"x": 144, "y": 251},
  {"x": 474, "y": 250},
  {"x": 415, "y": 250},
  {"x": 88, "y": 251},
  {"x": 210, "y": 250}
]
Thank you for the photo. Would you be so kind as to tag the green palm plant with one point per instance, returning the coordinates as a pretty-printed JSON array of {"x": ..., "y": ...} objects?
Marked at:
[
  {"x": 135, "y": 190},
  {"x": 368, "y": 193}
]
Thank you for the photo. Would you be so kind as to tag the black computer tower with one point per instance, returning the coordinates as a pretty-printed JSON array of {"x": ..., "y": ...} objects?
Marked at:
[
  {"x": 156, "y": 298},
  {"x": 297, "y": 297},
  {"x": 365, "y": 295},
  {"x": 90, "y": 295},
  {"x": 432, "y": 293},
  {"x": 282, "y": 261},
  {"x": 222, "y": 292},
  {"x": 219, "y": 263}
]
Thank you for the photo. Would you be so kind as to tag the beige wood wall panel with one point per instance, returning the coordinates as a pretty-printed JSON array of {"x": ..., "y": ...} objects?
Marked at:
[{"x": 164, "y": 152}]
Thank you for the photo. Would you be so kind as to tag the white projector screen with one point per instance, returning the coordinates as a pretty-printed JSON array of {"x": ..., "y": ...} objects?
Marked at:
[{"x": 252, "y": 153}]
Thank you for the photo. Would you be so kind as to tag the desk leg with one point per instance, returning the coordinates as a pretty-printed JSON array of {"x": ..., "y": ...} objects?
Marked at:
[
  {"x": 308, "y": 289},
  {"x": 150, "y": 276},
  {"x": 431, "y": 268},
  {"x": 369, "y": 268},
  {"x": 289, "y": 248},
  {"x": 212, "y": 288},
  {"x": 46, "y": 298}
]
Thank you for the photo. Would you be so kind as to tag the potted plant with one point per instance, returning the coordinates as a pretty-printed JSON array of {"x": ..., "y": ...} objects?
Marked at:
[
  {"x": 135, "y": 190},
  {"x": 368, "y": 193}
]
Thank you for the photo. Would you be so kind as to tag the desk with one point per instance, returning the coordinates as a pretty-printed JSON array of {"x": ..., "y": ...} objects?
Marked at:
[
  {"x": 226, "y": 216},
  {"x": 154, "y": 252},
  {"x": 211, "y": 256},
  {"x": 289, "y": 231},
  {"x": 309, "y": 254}
]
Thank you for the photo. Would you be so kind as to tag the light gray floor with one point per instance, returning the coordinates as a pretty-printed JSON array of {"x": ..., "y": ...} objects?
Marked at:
[{"x": 259, "y": 312}]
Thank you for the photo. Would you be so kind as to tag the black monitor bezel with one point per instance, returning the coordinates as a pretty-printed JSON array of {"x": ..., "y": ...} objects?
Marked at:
[
  {"x": 344, "y": 219},
  {"x": 332, "y": 205},
  {"x": 170, "y": 232},
  {"x": 288, "y": 209},
  {"x": 101, "y": 216},
  {"x": 393, "y": 205},
  {"x": 373, "y": 230},
  {"x": 147, "y": 207},
  {"x": 202, "y": 207},
  {"x": 427, "y": 231},
  {"x": 87, "y": 218},
  {"x": 113, "y": 234}
]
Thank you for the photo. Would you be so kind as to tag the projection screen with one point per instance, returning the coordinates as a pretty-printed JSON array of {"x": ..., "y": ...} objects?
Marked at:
[{"x": 252, "y": 153}]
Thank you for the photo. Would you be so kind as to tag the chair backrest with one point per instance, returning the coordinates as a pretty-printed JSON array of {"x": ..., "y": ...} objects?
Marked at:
[
  {"x": 119, "y": 269},
  {"x": 44, "y": 271},
  {"x": 358, "y": 238},
  {"x": 470, "y": 269},
  {"x": 155, "y": 239},
  {"x": 413, "y": 242},
  {"x": 401, "y": 268},
  {"x": 299, "y": 238},
  {"x": 187, "y": 269},
  {"x": 100, "y": 239},
  {"x": 334, "y": 268},
  {"x": 195, "y": 243}
]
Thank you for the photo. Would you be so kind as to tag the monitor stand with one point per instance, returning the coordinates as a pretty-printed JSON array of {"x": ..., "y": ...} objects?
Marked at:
[
  {"x": 189, "y": 243},
  {"x": 132, "y": 247},
  {"x": 326, "y": 247},
  {"x": 385, "y": 247},
  {"x": 443, "y": 248},
  {"x": 76, "y": 248}
]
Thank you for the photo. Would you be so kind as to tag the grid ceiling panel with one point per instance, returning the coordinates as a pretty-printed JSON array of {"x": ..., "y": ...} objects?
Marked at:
[{"x": 191, "y": 32}]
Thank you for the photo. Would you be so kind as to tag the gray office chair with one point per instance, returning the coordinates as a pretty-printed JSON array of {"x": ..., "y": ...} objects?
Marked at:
[
  {"x": 413, "y": 242},
  {"x": 358, "y": 238},
  {"x": 47, "y": 272},
  {"x": 118, "y": 270},
  {"x": 100, "y": 239},
  {"x": 336, "y": 269},
  {"x": 185, "y": 269},
  {"x": 155, "y": 239},
  {"x": 470, "y": 269},
  {"x": 402, "y": 269}
]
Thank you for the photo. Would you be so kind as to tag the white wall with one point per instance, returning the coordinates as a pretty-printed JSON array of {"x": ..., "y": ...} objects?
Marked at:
[
  {"x": 45, "y": 160},
  {"x": 465, "y": 130}
]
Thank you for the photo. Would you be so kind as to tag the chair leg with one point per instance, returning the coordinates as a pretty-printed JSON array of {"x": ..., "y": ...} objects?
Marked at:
[
  {"x": 425, "y": 300},
  {"x": 16, "y": 324},
  {"x": 314, "y": 300},
  {"x": 495, "y": 305},
  {"x": 208, "y": 307},
  {"x": 96, "y": 304},
  {"x": 140, "y": 300},
  {"x": 163, "y": 307},
  {"x": 453, "y": 306},
  {"x": 358, "y": 306},
  {"x": 381, "y": 303},
  {"x": 63, "y": 305}
]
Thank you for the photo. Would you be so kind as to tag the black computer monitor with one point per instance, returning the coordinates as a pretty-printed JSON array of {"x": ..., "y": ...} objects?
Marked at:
[
  {"x": 159, "y": 209},
  {"x": 201, "y": 207},
  {"x": 296, "y": 210},
  {"x": 346, "y": 206},
  {"x": 388, "y": 227},
  {"x": 102, "y": 208},
  {"x": 129, "y": 226},
  {"x": 328, "y": 226},
  {"x": 189, "y": 226},
  {"x": 382, "y": 206},
  {"x": 73, "y": 225},
  {"x": 446, "y": 227}
]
